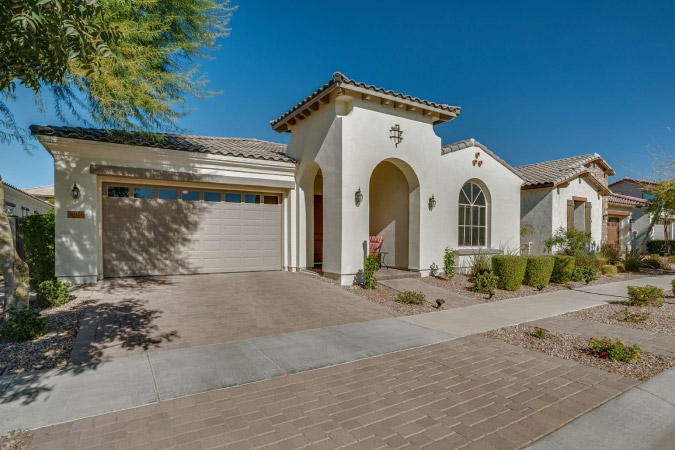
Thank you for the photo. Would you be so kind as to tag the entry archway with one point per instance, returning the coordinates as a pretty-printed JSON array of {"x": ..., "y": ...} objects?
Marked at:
[
  {"x": 312, "y": 187},
  {"x": 394, "y": 212}
]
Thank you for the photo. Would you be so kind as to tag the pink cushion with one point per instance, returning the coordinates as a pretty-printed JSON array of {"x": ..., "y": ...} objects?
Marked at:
[{"x": 375, "y": 243}]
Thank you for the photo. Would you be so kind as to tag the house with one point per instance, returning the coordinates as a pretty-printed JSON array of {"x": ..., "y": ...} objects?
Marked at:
[
  {"x": 45, "y": 193},
  {"x": 20, "y": 203},
  {"x": 564, "y": 193},
  {"x": 627, "y": 221},
  {"x": 362, "y": 161},
  {"x": 641, "y": 221}
]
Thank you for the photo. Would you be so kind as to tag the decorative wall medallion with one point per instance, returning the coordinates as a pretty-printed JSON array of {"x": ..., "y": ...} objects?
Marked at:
[
  {"x": 477, "y": 161},
  {"x": 396, "y": 134}
]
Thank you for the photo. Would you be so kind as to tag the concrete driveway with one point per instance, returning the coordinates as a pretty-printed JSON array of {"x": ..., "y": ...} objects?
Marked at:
[{"x": 129, "y": 316}]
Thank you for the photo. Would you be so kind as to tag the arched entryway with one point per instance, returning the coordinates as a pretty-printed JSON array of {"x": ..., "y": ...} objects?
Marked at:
[
  {"x": 394, "y": 212},
  {"x": 311, "y": 184}
]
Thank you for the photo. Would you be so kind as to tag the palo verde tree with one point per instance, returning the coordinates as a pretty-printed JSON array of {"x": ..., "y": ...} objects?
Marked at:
[
  {"x": 662, "y": 190},
  {"x": 117, "y": 64}
]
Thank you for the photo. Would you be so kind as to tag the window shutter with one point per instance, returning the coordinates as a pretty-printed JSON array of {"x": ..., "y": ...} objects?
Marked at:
[
  {"x": 587, "y": 229},
  {"x": 570, "y": 214}
]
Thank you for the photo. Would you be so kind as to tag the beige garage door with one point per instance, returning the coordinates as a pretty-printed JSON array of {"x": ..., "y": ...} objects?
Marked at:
[{"x": 159, "y": 236}]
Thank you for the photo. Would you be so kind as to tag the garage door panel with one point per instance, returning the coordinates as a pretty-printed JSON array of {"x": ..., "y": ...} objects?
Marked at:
[{"x": 162, "y": 237}]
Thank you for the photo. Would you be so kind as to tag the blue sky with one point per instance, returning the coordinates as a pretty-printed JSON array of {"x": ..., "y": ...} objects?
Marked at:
[{"x": 535, "y": 80}]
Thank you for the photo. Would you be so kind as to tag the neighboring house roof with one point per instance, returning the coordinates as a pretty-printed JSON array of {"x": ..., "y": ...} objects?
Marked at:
[
  {"x": 25, "y": 193},
  {"x": 466, "y": 143},
  {"x": 241, "y": 147},
  {"x": 627, "y": 200},
  {"x": 41, "y": 191},
  {"x": 553, "y": 173},
  {"x": 339, "y": 80},
  {"x": 631, "y": 180}
]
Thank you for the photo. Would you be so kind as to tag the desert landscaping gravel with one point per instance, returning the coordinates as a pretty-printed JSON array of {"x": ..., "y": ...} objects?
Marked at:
[
  {"x": 660, "y": 320},
  {"x": 576, "y": 348},
  {"x": 50, "y": 350},
  {"x": 15, "y": 440}
]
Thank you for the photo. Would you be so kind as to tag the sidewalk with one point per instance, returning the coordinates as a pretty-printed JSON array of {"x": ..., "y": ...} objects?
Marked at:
[{"x": 41, "y": 398}]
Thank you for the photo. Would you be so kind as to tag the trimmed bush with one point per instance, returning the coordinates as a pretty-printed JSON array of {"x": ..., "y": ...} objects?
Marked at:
[
  {"x": 510, "y": 270},
  {"x": 583, "y": 273},
  {"x": 485, "y": 282},
  {"x": 585, "y": 259},
  {"x": 538, "y": 270},
  {"x": 563, "y": 266},
  {"x": 23, "y": 325},
  {"x": 52, "y": 293},
  {"x": 620, "y": 267},
  {"x": 645, "y": 295},
  {"x": 411, "y": 297},
  {"x": 609, "y": 270},
  {"x": 614, "y": 350},
  {"x": 653, "y": 262},
  {"x": 599, "y": 262},
  {"x": 672, "y": 285},
  {"x": 656, "y": 246}
]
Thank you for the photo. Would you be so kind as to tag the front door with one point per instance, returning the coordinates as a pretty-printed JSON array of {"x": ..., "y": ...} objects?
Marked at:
[
  {"x": 613, "y": 231},
  {"x": 318, "y": 229}
]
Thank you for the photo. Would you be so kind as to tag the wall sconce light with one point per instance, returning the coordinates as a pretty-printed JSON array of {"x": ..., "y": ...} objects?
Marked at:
[
  {"x": 432, "y": 202},
  {"x": 358, "y": 197},
  {"x": 75, "y": 192}
]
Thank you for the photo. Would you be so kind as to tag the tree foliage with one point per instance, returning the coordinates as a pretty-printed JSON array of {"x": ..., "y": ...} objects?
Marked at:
[{"x": 129, "y": 64}]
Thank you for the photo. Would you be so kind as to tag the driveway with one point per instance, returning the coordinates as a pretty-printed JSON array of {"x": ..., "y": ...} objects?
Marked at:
[{"x": 130, "y": 316}]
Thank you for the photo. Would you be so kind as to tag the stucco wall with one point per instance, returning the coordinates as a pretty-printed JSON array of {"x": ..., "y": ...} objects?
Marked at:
[
  {"x": 536, "y": 210},
  {"x": 579, "y": 187}
]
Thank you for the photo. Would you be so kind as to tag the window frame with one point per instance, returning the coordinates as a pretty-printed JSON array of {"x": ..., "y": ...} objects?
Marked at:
[{"x": 477, "y": 227}]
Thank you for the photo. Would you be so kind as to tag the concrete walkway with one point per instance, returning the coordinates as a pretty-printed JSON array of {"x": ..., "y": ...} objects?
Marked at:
[
  {"x": 41, "y": 398},
  {"x": 643, "y": 417}
]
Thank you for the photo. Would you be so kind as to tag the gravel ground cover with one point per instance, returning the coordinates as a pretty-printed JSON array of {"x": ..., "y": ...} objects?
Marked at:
[
  {"x": 462, "y": 284},
  {"x": 659, "y": 320},
  {"x": 50, "y": 350},
  {"x": 577, "y": 349},
  {"x": 15, "y": 440}
]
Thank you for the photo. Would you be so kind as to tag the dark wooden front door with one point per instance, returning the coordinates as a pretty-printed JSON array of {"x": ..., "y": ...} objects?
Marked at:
[
  {"x": 318, "y": 229},
  {"x": 613, "y": 228}
]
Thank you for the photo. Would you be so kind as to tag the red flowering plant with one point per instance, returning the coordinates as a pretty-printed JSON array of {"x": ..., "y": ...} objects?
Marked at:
[{"x": 614, "y": 349}]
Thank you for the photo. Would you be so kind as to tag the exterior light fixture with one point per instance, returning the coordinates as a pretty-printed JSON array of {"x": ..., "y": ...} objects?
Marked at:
[
  {"x": 540, "y": 287},
  {"x": 75, "y": 192},
  {"x": 492, "y": 293},
  {"x": 358, "y": 197},
  {"x": 439, "y": 303},
  {"x": 432, "y": 202}
]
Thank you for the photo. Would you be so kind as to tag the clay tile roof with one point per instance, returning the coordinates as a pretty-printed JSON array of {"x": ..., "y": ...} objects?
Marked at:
[
  {"x": 631, "y": 180},
  {"x": 466, "y": 143},
  {"x": 339, "y": 80},
  {"x": 626, "y": 200},
  {"x": 559, "y": 170},
  {"x": 242, "y": 147},
  {"x": 26, "y": 193},
  {"x": 41, "y": 191}
]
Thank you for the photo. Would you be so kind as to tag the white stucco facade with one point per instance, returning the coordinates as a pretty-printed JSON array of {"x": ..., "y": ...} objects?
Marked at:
[{"x": 18, "y": 203}]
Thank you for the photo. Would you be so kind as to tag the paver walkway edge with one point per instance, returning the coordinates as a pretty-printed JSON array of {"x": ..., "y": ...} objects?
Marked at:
[{"x": 41, "y": 398}]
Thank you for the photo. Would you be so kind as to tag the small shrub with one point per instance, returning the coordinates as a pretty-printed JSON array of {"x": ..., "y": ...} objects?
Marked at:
[
  {"x": 38, "y": 234},
  {"x": 599, "y": 262},
  {"x": 586, "y": 259},
  {"x": 620, "y": 267},
  {"x": 645, "y": 295},
  {"x": 510, "y": 270},
  {"x": 612, "y": 252},
  {"x": 609, "y": 270},
  {"x": 23, "y": 325},
  {"x": 633, "y": 260},
  {"x": 672, "y": 285},
  {"x": 52, "y": 293},
  {"x": 369, "y": 269},
  {"x": 653, "y": 262},
  {"x": 627, "y": 316},
  {"x": 657, "y": 246},
  {"x": 485, "y": 282},
  {"x": 480, "y": 263},
  {"x": 614, "y": 350},
  {"x": 538, "y": 270},
  {"x": 539, "y": 333},
  {"x": 568, "y": 242},
  {"x": 584, "y": 273},
  {"x": 411, "y": 297},
  {"x": 449, "y": 262},
  {"x": 671, "y": 259},
  {"x": 563, "y": 266}
]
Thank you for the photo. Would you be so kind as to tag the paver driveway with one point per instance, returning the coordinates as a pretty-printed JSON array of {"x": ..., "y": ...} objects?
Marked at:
[{"x": 132, "y": 315}]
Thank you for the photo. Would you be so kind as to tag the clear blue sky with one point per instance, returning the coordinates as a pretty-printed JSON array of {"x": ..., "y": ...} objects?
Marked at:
[{"x": 535, "y": 80}]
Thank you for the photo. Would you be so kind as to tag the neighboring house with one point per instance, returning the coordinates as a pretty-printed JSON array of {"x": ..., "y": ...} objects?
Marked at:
[
  {"x": 20, "y": 203},
  {"x": 362, "y": 161},
  {"x": 627, "y": 221},
  {"x": 564, "y": 193},
  {"x": 45, "y": 193}
]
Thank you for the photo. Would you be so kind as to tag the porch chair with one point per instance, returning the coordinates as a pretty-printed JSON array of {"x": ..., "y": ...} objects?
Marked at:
[{"x": 375, "y": 248}]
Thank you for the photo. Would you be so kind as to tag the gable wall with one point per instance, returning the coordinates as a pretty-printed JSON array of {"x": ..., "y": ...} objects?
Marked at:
[{"x": 579, "y": 187}]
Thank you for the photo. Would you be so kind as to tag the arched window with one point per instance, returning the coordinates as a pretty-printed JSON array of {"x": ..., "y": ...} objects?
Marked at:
[{"x": 472, "y": 216}]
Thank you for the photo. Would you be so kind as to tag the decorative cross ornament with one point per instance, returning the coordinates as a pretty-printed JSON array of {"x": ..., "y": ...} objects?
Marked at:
[{"x": 396, "y": 134}]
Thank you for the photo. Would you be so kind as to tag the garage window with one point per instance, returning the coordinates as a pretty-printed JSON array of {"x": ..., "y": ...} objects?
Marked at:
[
  {"x": 211, "y": 196},
  {"x": 271, "y": 200},
  {"x": 252, "y": 198},
  {"x": 168, "y": 194},
  {"x": 231, "y": 197},
  {"x": 140, "y": 192},
  {"x": 190, "y": 196},
  {"x": 118, "y": 191}
]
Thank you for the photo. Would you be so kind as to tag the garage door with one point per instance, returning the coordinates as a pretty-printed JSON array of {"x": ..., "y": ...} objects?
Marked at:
[{"x": 166, "y": 231}]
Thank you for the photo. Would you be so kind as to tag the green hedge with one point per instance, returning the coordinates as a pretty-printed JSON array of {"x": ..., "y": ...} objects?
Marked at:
[
  {"x": 656, "y": 246},
  {"x": 538, "y": 271},
  {"x": 510, "y": 270},
  {"x": 563, "y": 266},
  {"x": 38, "y": 235}
]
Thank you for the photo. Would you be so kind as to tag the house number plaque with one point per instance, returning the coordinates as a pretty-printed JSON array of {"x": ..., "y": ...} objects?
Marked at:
[{"x": 76, "y": 214}]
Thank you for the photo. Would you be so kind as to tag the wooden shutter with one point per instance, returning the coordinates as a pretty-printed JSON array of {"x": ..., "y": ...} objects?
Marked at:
[
  {"x": 570, "y": 214},
  {"x": 587, "y": 228}
]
